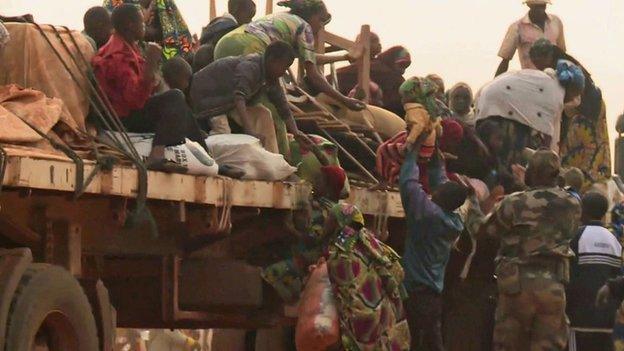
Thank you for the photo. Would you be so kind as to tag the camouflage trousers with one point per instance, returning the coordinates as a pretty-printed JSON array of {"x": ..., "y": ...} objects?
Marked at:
[{"x": 533, "y": 319}]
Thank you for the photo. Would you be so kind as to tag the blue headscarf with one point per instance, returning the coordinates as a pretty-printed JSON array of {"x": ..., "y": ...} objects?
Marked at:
[{"x": 570, "y": 76}]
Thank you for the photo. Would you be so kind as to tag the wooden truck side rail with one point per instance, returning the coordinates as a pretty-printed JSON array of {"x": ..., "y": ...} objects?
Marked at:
[{"x": 58, "y": 174}]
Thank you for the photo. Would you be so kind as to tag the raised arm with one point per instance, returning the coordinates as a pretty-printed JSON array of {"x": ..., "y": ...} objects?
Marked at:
[
  {"x": 320, "y": 83},
  {"x": 415, "y": 200}
]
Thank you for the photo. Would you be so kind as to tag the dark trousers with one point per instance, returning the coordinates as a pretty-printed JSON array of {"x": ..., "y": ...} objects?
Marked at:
[
  {"x": 593, "y": 341},
  {"x": 424, "y": 316},
  {"x": 169, "y": 117}
]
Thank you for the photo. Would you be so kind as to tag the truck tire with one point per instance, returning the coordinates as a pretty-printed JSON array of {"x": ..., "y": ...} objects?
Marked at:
[{"x": 49, "y": 309}]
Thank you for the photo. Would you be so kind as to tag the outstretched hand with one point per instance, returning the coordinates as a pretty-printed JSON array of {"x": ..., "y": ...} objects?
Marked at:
[{"x": 354, "y": 105}]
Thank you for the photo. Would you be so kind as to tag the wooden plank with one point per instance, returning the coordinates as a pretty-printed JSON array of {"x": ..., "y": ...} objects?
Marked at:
[
  {"x": 26, "y": 172},
  {"x": 377, "y": 202},
  {"x": 123, "y": 181},
  {"x": 269, "y": 7},
  {"x": 320, "y": 47},
  {"x": 338, "y": 41},
  {"x": 213, "y": 9},
  {"x": 18, "y": 234},
  {"x": 364, "y": 63}
]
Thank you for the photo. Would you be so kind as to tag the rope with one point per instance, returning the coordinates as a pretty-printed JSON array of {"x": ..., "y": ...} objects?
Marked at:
[
  {"x": 225, "y": 223},
  {"x": 96, "y": 90},
  {"x": 4, "y": 160},
  {"x": 102, "y": 97},
  {"x": 381, "y": 218}
]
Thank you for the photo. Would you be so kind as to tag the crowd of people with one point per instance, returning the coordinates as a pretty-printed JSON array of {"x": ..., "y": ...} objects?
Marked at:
[{"x": 503, "y": 190}]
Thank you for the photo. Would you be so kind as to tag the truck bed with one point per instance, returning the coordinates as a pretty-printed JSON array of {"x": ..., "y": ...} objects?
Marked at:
[{"x": 30, "y": 169}]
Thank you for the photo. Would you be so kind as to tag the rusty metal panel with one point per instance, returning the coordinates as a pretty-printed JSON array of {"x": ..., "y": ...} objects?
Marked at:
[{"x": 210, "y": 283}]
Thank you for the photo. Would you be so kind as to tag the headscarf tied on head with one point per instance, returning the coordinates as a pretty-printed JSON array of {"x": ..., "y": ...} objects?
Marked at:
[
  {"x": 177, "y": 39},
  {"x": 335, "y": 178},
  {"x": 348, "y": 215},
  {"x": 396, "y": 56},
  {"x": 421, "y": 91},
  {"x": 570, "y": 76},
  {"x": 303, "y": 8}
]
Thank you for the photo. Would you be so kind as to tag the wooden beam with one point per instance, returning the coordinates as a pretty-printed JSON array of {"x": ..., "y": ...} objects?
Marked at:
[
  {"x": 269, "y": 7},
  {"x": 320, "y": 48},
  {"x": 57, "y": 175},
  {"x": 213, "y": 9},
  {"x": 364, "y": 63},
  {"x": 338, "y": 41},
  {"x": 19, "y": 234}
]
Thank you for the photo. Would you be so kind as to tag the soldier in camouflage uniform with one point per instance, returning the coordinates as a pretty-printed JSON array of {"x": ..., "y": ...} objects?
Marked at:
[{"x": 535, "y": 228}]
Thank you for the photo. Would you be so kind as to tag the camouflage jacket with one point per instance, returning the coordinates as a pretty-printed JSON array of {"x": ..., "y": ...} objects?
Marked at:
[{"x": 534, "y": 225}]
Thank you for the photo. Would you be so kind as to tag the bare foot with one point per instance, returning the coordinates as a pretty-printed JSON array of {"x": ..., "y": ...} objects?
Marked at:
[
  {"x": 232, "y": 172},
  {"x": 163, "y": 165}
]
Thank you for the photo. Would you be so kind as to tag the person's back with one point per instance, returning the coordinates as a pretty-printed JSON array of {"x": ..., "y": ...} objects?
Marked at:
[
  {"x": 534, "y": 229},
  {"x": 240, "y": 12},
  {"x": 213, "y": 88},
  {"x": 216, "y": 29},
  {"x": 541, "y": 223}
]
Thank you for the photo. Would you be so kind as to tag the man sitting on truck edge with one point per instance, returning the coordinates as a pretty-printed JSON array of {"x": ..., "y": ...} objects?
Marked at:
[{"x": 129, "y": 79}]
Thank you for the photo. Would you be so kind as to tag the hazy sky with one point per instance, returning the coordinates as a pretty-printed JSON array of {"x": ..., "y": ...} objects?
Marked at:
[{"x": 458, "y": 39}]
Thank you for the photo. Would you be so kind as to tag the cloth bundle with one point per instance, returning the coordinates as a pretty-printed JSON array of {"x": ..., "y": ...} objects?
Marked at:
[{"x": 18, "y": 104}]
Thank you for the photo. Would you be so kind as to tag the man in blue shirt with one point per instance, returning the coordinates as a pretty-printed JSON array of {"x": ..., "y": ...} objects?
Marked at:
[{"x": 433, "y": 227}]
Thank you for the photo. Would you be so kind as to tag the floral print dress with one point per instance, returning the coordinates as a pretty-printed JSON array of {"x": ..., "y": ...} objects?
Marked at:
[
  {"x": 366, "y": 278},
  {"x": 585, "y": 145}
]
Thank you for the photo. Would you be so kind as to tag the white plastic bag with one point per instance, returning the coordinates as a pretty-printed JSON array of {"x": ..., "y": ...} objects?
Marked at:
[
  {"x": 190, "y": 154},
  {"x": 245, "y": 152}
]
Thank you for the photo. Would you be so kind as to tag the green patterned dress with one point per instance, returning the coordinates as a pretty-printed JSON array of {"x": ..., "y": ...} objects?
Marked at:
[{"x": 177, "y": 39}]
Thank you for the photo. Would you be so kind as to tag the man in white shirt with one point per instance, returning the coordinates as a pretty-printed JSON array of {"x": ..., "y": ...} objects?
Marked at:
[{"x": 523, "y": 33}]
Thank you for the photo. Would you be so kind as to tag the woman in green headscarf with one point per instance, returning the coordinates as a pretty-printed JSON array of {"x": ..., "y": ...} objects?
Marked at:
[
  {"x": 298, "y": 28},
  {"x": 164, "y": 23}
]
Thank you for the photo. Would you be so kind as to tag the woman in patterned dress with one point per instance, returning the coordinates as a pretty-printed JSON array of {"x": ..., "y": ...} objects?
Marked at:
[
  {"x": 367, "y": 280},
  {"x": 287, "y": 276}
]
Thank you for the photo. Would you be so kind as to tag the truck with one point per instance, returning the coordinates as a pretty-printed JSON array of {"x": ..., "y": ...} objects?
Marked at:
[
  {"x": 85, "y": 249},
  {"x": 71, "y": 272}
]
